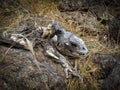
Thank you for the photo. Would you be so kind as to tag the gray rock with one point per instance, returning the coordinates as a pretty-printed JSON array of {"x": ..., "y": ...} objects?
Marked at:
[
  {"x": 109, "y": 75},
  {"x": 19, "y": 72}
]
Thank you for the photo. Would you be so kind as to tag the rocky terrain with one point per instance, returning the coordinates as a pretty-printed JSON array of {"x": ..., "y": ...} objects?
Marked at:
[{"x": 99, "y": 29}]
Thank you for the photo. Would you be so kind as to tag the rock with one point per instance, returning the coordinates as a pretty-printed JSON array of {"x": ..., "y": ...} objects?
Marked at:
[
  {"x": 109, "y": 75},
  {"x": 114, "y": 29},
  {"x": 68, "y": 5},
  {"x": 18, "y": 71},
  {"x": 112, "y": 82}
]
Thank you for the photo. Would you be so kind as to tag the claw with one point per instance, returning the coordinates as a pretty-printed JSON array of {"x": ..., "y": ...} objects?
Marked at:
[{"x": 73, "y": 71}]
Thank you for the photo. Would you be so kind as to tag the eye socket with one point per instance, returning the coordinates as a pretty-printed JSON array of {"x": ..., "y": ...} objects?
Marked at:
[
  {"x": 58, "y": 31},
  {"x": 74, "y": 44}
]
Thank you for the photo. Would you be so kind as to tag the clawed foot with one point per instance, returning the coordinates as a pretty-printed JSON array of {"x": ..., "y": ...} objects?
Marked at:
[
  {"x": 74, "y": 73},
  {"x": 62, "y": 60}
]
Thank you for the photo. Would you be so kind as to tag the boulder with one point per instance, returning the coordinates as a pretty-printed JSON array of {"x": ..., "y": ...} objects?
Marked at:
[{"x": 19, "y": 72}]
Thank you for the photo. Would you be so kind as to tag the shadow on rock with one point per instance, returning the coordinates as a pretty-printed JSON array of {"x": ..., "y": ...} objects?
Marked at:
[{"x": 109, "y": 75}]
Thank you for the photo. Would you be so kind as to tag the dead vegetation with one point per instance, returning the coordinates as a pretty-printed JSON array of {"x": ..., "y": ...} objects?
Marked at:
[{"x": 84, "y": 25}]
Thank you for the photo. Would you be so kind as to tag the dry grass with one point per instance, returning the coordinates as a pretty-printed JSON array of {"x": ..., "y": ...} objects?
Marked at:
[{"x": 85, "y": 66}]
